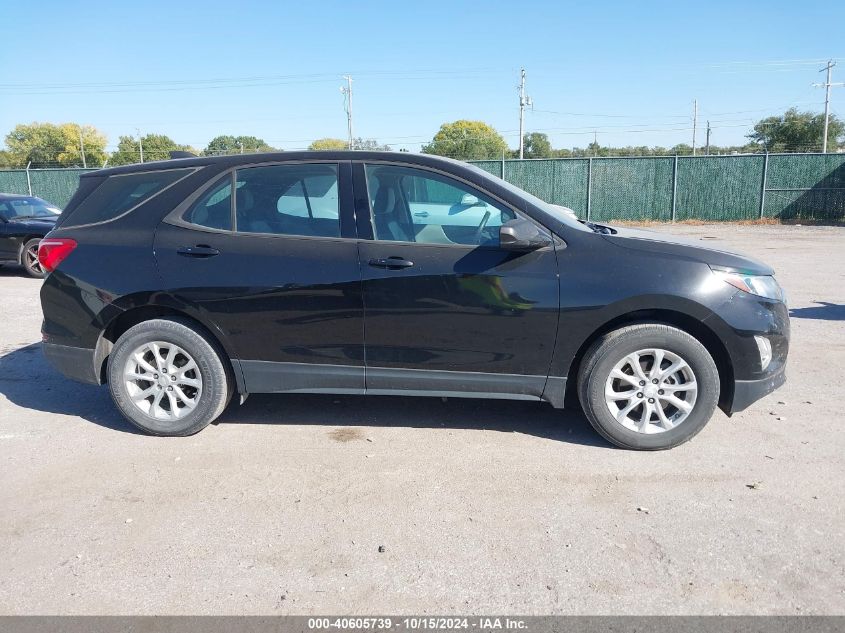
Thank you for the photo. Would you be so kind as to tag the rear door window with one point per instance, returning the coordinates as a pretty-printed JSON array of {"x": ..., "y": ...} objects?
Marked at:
[
  {"x": 214, "y": 209},
  {"x": 288, "y": 200},
  {"x": 122, "y": 193}
]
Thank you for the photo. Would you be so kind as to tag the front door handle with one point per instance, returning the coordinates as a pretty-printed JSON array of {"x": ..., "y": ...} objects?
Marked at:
[
  {"x": 421, "y": 214},
  {"x": 392, "y": 263},
  {"x": 200, "y": 250}
]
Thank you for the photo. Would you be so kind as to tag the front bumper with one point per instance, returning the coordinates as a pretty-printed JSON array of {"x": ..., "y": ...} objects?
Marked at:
[
  {"x": 76, "y": 363},
  {"x": 747, "y": 392}
]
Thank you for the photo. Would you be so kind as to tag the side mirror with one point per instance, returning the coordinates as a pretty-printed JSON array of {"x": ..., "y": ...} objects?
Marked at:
[
  {"x": 522, "y": 235},
  {"x": 469, "y": 200}
]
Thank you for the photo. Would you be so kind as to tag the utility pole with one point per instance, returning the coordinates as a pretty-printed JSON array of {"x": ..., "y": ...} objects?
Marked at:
[
  {"x": 140, "y": 144},
  {"x": 347, "y": 93},
  {"x": 827, "y": 85},
  {"x": 694, "y": 122},
  {"x": 707, "y": 148},
  {"x": 523, "y": 101},
  {"x": 82, "y": 148}
]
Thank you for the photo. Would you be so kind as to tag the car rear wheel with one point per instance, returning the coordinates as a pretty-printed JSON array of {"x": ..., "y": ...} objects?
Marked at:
[
  {"x": 648, "y": 387},
  {"x": 29, "y": 259},
  {"x": 168, "y": 378}
]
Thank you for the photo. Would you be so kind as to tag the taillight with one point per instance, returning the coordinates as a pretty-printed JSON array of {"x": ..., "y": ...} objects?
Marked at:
[{"x": 52, "y": 251}]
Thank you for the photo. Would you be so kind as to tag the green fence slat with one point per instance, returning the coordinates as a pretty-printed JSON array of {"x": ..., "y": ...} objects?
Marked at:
[
  {"x": 806, "y": 187},
  {"x": 719, "y": 187},
  {"x": 632, "y": 188},
  {"x": 13, "y": 181},
  {"x": 53, "y": 185}
]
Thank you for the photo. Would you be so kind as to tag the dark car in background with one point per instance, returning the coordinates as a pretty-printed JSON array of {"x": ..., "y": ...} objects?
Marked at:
[
  {"x": 24, "y": 220},
  {"x": 183, "y": 282}
]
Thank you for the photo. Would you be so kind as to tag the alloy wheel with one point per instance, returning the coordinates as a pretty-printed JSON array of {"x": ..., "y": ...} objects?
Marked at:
[
  {"x": 163, "y": 380},
  {"x": 651, "y": 391},
  {"x": 31, "y": 260}
]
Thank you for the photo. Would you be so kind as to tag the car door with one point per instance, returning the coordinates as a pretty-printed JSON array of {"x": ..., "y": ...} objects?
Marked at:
[
  {"x": 446, "y": 309},
  {"x": 8, "y": 245},
  {"x": 275, "y": 268}
]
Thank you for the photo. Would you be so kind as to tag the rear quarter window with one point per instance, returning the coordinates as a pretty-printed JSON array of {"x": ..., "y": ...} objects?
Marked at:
[{"x": 120, "y": 194}]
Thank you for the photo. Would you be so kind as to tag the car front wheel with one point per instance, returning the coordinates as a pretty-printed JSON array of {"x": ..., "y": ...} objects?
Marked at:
[
  {"x": 168, "y": 378},
  {"x": 648, "y": 386}
]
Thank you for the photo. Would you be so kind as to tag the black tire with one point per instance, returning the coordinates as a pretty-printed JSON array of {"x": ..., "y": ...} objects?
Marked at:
[
  {"x": 210, "y": 360},
  {"x": 30, "y": 264},
  {"x": 607, "y": 351}
]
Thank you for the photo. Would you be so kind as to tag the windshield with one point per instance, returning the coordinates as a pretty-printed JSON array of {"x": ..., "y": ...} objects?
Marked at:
[
  {"x": 557, "y": 214},
  {"x": 27, "y": 208}
]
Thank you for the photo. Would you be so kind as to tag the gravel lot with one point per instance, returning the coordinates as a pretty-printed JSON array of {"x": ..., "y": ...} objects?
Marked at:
[{"x": 481, "y": 506}]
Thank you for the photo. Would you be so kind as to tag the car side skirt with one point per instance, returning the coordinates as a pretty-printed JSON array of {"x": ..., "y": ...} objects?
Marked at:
[{"x": 277, "y": 377}]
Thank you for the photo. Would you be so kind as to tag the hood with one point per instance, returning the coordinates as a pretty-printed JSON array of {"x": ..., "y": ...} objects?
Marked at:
[{"x": 690, "y": 249}]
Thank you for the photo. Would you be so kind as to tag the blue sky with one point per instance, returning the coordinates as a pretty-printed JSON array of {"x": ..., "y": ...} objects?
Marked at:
[{"x": 628, "y": 70}]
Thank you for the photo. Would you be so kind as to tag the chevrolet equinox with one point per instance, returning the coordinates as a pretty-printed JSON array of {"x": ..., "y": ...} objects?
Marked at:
[{"x": 183, "y": 282}]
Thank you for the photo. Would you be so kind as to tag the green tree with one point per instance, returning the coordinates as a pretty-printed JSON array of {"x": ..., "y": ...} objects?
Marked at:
[
  {"x": 155, "y": 147},
  {"x": 536, "y": 145},
  {"x": 7, "y": 161},
  {"x": 227, "y": 144},
  {"x": 93, "y": 141},
  {"x": 328, "y": 144},
  {"x": 50, "y": 145},
  {"x": 796, "y": 131},
  {"x": 38, "y": 143},
  {"x": 467, "y": 140},
  {"x": 369, "y": 144}
]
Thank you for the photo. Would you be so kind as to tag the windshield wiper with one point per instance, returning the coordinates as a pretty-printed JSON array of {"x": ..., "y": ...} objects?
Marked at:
[{"x": 28, "y": 217}]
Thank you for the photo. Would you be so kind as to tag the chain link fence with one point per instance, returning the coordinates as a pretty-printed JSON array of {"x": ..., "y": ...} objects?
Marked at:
[
  {"x": 784, "y": 186},
  {"x": 660, "y": 188},
  {"x": 53, "y": 185}
]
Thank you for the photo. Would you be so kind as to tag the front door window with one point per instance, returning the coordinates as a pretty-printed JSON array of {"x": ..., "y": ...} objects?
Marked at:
[{"x": 415, "y": 205}]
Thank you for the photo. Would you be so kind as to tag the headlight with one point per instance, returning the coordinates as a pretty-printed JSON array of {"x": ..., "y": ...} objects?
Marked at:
[{"x": 760, "y": 285}]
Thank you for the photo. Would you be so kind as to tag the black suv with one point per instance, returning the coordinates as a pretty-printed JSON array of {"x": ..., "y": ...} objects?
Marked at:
[{"x": 183, "y": 282}]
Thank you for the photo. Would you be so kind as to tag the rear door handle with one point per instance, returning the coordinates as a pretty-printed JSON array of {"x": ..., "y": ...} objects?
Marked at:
[
  {"x": 200, "y": 250},
  {"x": 393, "y": 263},
  {"x": 421, "y": 214}
]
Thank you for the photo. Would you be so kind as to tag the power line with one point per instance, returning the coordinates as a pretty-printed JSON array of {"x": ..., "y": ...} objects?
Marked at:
[{"x": 180, "y": 86}]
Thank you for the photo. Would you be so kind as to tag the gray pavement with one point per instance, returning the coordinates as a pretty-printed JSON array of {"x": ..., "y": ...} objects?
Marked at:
[{"x": 481, "y": 506}]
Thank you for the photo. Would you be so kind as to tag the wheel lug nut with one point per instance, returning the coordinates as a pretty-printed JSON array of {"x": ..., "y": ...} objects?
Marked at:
[
  {"x": 642, "y": 383},
  {"x": 639, "y": 395},
  {"x": 660, "y": 392},
  {"x": 654, "y": 381},
  {"x": 651, "y": 400},
  {"x": 170, "y": 388},
  {"x": 155, "y": 376},
  {"x": 173, "y": 377}
]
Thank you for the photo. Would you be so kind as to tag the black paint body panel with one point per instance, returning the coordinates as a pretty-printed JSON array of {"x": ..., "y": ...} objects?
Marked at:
[{"x": 311, "y": 314}]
